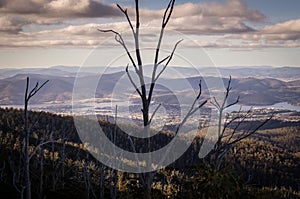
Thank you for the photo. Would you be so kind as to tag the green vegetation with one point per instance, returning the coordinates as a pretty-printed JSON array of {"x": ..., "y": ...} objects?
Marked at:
[{"x": 263, "y": 166}]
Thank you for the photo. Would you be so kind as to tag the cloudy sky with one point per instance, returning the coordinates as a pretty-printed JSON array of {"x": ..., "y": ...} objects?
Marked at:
[{"x": 43, "y": 33}]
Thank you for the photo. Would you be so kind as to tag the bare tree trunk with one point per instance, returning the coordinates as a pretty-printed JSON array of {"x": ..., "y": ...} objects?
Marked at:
[
  {"x": 27, "y": 134},
  {"x": 113, "y": 172},
  {"x": 28, "y": 96},
  {"x": 145, "y": 95}
]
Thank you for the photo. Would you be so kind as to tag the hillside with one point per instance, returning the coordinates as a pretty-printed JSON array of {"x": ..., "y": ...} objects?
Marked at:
[{"x": 265, "y": 165}]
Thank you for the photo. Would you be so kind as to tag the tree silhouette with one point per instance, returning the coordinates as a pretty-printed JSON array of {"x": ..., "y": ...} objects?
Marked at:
[
  {"x": 228, "y": 131},
  {"x": 28, "y": 95}
]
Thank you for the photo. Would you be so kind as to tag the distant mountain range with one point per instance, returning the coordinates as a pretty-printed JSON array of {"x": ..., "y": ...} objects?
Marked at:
[
  {"x": 285, "y": 73},
  {"x": 255, "y": 86}
]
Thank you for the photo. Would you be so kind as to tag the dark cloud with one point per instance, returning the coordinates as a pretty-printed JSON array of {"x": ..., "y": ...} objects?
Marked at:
[
  {"x": 96, "y": 9},
  {"x": 59, "y": 8},
  {"x": 24, "y": 7},
  {"x": 12, "y": 24}
]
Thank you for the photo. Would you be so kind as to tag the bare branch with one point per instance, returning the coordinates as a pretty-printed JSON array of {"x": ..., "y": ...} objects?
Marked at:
[
  {"x": 34, "y": 90},
  {"x": 127, "y": 17},
  {"x": 253, "y": 131},
  {"x": 170, "y": 58},
  {"x": 26, "y": 91},
  {"x": 166, "y": 17},
  {"x": 237, "y": 126},
  {"x": 37, "y": 90},
  {"x": 132, "y": 82},
  {"x": 137, "y": 14},
  {"x": 216, "y": 103},
  {"x": 173, "y": 51},
  {"x": 163, "y": 60},
  {"x": 108, "y": 31},
  {"x": 136, "y": 35},
  {"x": 192, "y": 109},
  {"x": 119, "y": 39},
  {"x": 237, "y": 101},
  {"x": 164, "y": 23},
  {"x": 168, "y": 12},
  {"x": 227, "y": 140},
  {"x": 226, "y": 95},
  {"x": 38, "y": 146},
  {"x": 198, "y": 107},
  {"x": 200, "y": 90},
  {"x": 153, "y": 114}
]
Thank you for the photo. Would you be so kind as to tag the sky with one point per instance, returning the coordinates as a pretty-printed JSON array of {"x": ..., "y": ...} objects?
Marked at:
[{"x": 45, "y": 33}]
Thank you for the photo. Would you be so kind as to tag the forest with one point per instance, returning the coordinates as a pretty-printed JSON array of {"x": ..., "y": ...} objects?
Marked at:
[{"x": 264, "y": 165}]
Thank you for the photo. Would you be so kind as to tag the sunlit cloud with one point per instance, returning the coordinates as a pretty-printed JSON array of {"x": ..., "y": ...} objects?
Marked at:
[{"x": 286, "y": 34}]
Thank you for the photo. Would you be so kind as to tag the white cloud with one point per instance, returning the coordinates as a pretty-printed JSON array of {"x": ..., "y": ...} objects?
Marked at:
[
  {"x": 286, "y": 34},
  {"x": 207, "y": 18}
]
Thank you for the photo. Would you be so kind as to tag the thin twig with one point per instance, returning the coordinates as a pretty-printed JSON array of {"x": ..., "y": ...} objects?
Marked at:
[
  {"x": 192, "y": 109},
  {"x": 127, "y": 17},
  {"x": 119, "y": 39}
]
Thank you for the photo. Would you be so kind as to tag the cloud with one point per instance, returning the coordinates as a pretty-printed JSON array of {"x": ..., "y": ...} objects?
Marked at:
[
  {"x": 76, "y": 25},
  {"x": 208, "y": 18},
  {"x": 26, "y": 7},
  {"x": 81, "y": 9},
  {"x": 10, "y": 24},
  {"x": 289, "y": 30},
  {"x": 78, "y": 36},
  {"x": 228, "y": 9},
  {"x": 59, "y": 8},
  {"x": 286, "y": 34}
]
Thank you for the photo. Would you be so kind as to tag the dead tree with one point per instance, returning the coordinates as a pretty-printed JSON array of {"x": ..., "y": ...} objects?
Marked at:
[
  {"x": 145, "y": 93},
  {"x": 228, "y": 131},
  {"x": 114, "y": 172},
  {"x": 27, "y": 156}
]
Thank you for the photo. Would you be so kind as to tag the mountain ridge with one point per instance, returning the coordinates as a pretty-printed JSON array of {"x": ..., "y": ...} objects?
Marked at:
[{"x": 252, "y": 90}]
